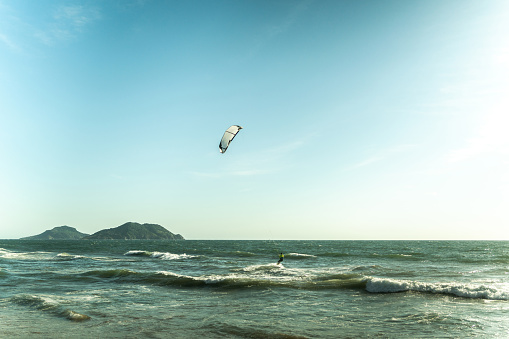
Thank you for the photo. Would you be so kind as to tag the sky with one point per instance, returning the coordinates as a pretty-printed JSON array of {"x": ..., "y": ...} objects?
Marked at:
[{"x": 361, "y": 119}]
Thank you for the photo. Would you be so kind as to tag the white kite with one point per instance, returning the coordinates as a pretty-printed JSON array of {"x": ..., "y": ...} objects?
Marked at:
[{"x": 228, "y": 136}]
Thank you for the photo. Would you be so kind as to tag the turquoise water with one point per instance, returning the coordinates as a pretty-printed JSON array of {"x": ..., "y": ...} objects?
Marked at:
[{"x": 233, "y": 289}]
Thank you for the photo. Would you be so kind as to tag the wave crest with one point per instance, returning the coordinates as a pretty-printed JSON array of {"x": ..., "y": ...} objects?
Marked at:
[
  {"x": 300, "y": 256},
  {"x": 274, "y": 276},
  {"x": 159, "y": 255},
  {"x": 67, "y": 257},
  {"x": 46, "y": 304},
  {"x": 385, "y": 285}
]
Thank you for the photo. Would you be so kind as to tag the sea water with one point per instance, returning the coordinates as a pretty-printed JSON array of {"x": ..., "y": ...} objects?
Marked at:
[{"x": 234, "y": 289}]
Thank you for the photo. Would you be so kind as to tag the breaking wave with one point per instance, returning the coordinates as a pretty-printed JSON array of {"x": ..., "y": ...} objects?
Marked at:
[
  {"x": 24, "y": 255},
  {"x": 46, "y": 304},
  {"x": 273, "y": 276},
  {"x": 68, "y": 257},
  {"x": 385, "y": 285},
  {"x": 267, "y": 267},
  {"x": 259, "y": 276},
  {"x": 160, "y": 255}
]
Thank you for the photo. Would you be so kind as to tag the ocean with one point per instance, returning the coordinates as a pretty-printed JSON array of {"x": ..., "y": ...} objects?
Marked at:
[{"x": 234, "y": 289}]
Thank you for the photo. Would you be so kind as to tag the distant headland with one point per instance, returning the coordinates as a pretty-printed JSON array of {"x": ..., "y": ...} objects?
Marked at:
[
  {"x": 127, "y": 231},
  {"x": 58, "y": 233}
]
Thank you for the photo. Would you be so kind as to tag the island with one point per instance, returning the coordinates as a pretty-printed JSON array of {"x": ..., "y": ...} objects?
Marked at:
[
  {"x": 127, "y": 231},
  {"x": 134, "y": 230},
  {"x": 58, "y": 233}
]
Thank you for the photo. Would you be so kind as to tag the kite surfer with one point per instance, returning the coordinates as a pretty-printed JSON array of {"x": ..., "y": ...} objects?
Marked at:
[{"x": 281, "y": 257}]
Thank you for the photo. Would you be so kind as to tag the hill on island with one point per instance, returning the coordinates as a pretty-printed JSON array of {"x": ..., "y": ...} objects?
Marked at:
[
  {"x": 134, "y": 230},
  {"x": 58, "y": 233}
]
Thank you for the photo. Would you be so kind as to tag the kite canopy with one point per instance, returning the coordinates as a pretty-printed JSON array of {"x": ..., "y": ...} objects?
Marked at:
[{"x": 228, "y": 136}]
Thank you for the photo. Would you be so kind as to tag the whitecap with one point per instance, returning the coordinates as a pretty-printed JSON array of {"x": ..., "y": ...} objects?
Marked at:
[
  {"x": 67, "y": 256},
  {"x": 25, "y": 255},
  {"x": 173, "y": 256},
  {"x": 137, "y": 252},
  {"x": 173, "y": 274},
  {"x": 159, "y": 255},
  {"x": 385, "y": 285},
  {"x": 266, "y": 267}
]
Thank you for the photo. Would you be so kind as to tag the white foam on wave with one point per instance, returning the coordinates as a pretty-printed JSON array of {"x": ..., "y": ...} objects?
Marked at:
[
  {"x": 176, "y": 275},
  {"x": 24, "y": 255},
  {"x": 266, "y": 267},
  {"x": 171, "y": 256},
  {"x": 208, "y": 279},
  {"x": 81, "y": 296},
  {"x": 385, "y": 285},
  {"x": 237, "y": 278},
  {"x": 214, "y": 279},
  {"x": 4, "y": 253},
  {"x": 230, "y": 277},
  {"x": 160, "y": 255},
  {"x": 48, "y": 304},
  {"x": 136, "y": 252},
  {"x": 67, "y": 256}
]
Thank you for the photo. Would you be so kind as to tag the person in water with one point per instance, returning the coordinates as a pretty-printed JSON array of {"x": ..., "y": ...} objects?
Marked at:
[{"x": 281, "y": 257}]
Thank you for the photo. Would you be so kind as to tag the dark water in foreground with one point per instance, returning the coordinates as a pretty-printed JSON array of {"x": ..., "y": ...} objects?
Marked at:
[{"x": 233, "y": 289}]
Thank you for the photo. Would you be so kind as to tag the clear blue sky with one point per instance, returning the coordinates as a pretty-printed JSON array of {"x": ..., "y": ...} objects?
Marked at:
[{"x": 362, "y": 119}]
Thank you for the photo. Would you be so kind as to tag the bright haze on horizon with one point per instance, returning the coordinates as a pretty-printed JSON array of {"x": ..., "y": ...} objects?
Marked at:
[{"x": 361, "y": 119}]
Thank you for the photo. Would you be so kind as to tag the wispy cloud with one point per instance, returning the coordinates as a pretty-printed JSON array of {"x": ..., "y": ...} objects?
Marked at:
[
  {"x": 8, "y": 22},
  {"x": 77, "y": 15},
  {"x": 19, "y": 28},
  {"x": 132, "y": 4},
  {"x": 8, "y": 42},
  {"x": 67, "y": 22},
  {"x": 273, "y": 30},
  {"x": 289, "y": 20}
]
